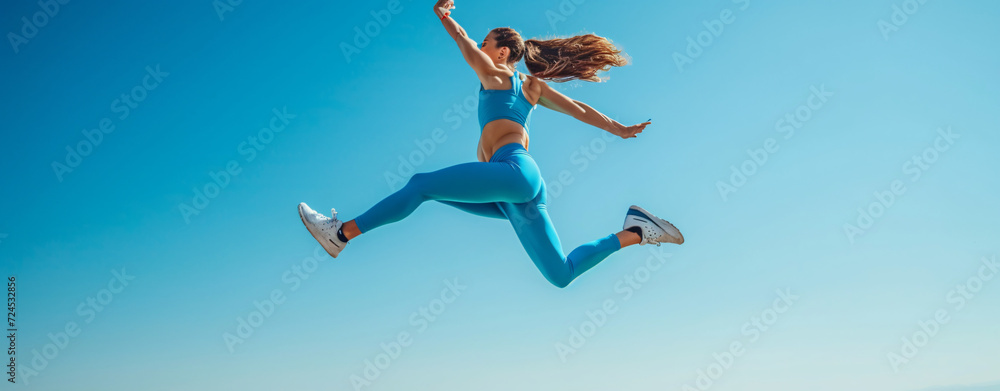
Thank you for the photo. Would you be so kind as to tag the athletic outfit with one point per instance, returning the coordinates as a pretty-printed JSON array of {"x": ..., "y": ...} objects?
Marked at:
[{"x": 509, "y": 187}]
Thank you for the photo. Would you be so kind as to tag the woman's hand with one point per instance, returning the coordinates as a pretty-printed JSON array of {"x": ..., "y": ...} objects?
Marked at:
[
  {"x": 630, "y": 131},
  {"x": 442, "y": 7}
]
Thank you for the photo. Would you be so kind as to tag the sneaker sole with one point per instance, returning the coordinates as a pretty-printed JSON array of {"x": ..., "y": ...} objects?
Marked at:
[
  {"x": 653, "y": 219},
  {"x": 319, "y": 237}
]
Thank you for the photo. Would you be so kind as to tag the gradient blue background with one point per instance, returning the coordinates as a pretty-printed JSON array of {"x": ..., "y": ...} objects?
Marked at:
[{"x": 783, "y": 229}]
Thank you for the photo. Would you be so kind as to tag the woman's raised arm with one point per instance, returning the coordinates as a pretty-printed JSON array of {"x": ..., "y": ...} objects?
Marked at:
[{"x": 478, "y": 60}]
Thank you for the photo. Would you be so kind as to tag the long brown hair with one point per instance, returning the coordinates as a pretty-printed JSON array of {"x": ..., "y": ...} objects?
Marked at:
[{"x": 562, "y": 59}]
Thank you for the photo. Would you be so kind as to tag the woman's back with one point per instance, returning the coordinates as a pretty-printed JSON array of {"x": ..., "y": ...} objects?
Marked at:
[{"x": 505, "y": 112}]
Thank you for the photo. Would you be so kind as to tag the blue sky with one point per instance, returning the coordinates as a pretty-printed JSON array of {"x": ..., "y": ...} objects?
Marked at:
[{"x": 202, "y": 81}]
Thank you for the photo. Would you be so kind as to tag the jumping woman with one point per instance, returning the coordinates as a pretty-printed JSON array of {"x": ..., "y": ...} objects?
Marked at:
[{"x": 505, "y": 183}]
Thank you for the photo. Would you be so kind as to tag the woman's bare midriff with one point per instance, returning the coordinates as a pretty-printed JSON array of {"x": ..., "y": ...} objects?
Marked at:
[
  {"x": 503, "y": 131},
  {"x": 499, "y": 133}
]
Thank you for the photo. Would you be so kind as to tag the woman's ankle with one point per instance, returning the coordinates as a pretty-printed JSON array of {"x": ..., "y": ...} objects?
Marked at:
[
  {"x": 628, "y": 238},
  {"x": 350, "y": 230}
]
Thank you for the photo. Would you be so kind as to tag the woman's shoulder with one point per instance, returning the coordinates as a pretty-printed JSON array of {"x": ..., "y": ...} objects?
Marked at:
[
  {"x": 529, "y": 78},
  {"x": 532, "y": 82},
  {"x": 532, "y": 88}
]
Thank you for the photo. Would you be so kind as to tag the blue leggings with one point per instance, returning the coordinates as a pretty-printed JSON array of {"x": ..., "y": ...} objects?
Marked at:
[{"x": 510, "y": 187}]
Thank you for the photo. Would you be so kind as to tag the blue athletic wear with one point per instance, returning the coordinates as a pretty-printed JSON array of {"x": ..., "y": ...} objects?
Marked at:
[
  {"x": 510, "y": 104},
  {"x": 510, "y": 187}
]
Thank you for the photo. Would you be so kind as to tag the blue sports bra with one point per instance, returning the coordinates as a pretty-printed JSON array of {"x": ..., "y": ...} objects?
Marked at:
[{"x": 510, "y": 104}]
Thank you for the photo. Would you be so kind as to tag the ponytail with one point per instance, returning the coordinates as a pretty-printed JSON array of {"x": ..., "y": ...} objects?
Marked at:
[{"x": 574, "y": 58}]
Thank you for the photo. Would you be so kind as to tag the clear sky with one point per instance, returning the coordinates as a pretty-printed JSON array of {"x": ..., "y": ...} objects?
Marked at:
[{"x": 165, "y": 252}]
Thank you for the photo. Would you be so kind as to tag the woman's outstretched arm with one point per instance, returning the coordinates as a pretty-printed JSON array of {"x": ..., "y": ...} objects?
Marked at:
[
  {"x": 470, "y": 49},
  {"x": 552, "y": 99}
]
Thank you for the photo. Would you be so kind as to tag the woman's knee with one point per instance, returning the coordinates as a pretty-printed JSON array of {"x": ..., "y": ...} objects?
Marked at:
[
  {"x": 417, "y": 179},
  {"x": 418, "y": 182},
  {"x": 557, "y": 272},
  {"x": 560, "y": 282}
]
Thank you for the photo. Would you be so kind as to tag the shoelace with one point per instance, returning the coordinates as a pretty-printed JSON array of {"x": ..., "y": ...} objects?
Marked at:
[
  {"x": 326, "y": 223},
  {"x": 651, "y": 239},
  {"x": 333, "y": 223}
]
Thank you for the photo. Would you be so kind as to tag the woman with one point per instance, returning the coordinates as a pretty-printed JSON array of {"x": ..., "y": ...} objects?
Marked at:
[{"x": 505, "y": 183}]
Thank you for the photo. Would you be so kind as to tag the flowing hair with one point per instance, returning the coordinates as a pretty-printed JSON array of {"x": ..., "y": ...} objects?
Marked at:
[{"x": 562, "y": 59}]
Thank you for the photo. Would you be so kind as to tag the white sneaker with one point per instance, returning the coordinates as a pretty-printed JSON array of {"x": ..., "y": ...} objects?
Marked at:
[
  {"x": 654, "y": 229},
  {"x": 323, "y": 228}
]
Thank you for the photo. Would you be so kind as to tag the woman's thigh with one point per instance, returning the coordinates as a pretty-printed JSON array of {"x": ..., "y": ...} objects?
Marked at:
[
  {"x": 539, "y": 238},
  {"x": 477, "y": 182},
  {"x": 487, "y": 209}
]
